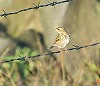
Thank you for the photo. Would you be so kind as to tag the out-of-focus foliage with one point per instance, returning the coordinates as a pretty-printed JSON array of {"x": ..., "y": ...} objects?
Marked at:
[
  {"x": 43, "y": 71},
  {"x": 15, "y": 72}
]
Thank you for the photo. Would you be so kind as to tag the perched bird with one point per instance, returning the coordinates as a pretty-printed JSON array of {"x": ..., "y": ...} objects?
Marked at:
[{"x": 62, "y": 39}]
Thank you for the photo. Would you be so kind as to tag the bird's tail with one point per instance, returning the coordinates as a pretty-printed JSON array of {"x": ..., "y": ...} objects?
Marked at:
[{"x": 51, "y": 47}]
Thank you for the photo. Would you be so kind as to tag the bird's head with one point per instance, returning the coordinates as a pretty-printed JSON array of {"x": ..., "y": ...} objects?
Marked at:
[{"x": 59, "y": 30}]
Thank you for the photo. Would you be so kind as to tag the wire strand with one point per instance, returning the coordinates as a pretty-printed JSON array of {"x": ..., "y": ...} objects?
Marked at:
[
  {"x": 35, "y": 7},
  {"x": 47, "y": 54}
]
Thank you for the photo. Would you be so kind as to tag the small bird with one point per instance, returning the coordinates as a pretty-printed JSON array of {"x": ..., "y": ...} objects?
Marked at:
[{"x": 62, "y": 39}]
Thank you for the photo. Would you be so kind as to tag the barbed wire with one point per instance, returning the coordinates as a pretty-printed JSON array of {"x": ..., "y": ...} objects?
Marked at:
[
  {"x": 47, "y": 54},
  {"x": 5, "y": 14}
]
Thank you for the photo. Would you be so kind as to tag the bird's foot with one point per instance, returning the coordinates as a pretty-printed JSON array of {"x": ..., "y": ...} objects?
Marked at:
[{"x": 63, "y": 49}]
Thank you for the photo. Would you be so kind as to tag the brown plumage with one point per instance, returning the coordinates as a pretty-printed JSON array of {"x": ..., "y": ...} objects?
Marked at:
[{"x": 62, "y": 39}]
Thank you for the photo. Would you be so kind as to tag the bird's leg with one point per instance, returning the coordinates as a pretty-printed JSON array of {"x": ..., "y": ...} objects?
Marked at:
[{"x": 63, "y": 49}]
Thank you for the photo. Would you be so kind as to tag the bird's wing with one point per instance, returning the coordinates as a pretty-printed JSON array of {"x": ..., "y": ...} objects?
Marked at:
[{"x": 57, "y": 39}]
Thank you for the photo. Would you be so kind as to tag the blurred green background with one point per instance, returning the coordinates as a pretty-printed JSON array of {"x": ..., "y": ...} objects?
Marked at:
[{"x": 32, "y": 32}]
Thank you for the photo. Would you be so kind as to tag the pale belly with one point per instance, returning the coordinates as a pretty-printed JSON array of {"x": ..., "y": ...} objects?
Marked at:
[{"x": 63, "y": 43}]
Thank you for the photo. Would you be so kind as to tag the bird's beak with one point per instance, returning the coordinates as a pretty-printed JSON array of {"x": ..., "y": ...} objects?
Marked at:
[{"x": 56, "y": 29}]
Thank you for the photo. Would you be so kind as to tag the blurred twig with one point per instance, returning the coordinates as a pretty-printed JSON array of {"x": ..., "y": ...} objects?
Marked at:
[
  {"x": 55, "y": 52},
  {"x": 33, "y": 7}
]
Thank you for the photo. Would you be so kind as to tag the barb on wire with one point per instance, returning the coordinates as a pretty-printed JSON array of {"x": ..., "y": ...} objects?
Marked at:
[
  {"x": 47, "y": 54},
  {"x": 35, "y": 7},
  {"x": 4, "y": 13}
]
